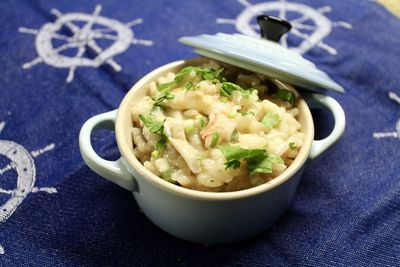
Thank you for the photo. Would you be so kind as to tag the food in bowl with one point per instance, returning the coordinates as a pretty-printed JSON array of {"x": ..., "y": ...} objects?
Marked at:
[
  {"x": 199, "y": 216},
  {"x": 216, "y": 128}
]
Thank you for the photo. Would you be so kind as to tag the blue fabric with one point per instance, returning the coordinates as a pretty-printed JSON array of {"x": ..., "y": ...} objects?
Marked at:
[{"x": 347, "y": 208}]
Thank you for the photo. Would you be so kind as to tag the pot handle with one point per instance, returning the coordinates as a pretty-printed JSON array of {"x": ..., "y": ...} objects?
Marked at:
[
  {"x": 114, "y": 171},
  {"x": 322, "y": 101}
]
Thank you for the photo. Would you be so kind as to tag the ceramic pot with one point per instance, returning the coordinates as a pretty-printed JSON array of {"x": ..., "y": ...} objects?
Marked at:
[{"x": 204, "y": 217}]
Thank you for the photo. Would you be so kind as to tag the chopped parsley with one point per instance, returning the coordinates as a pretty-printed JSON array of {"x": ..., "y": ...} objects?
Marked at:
[
  {"x": 227, "y": 88},
  {"x": 232, "y": 115},
  {"x": 286, "y": 95},
  {"x": 167, "y": 176},
  {"x": 207, "y": 74},
  {"x": 199, "y": 157},
  {"x": 250, "y": 113},
  {"x": 211, "y": 74},
  {"x": 160, "y": 146},
  {"x": 234, "y": 154},
  {"x": 258, "y": 160},
  {"x": 182, "y": 73},
  {"x": 152, "y": 124},
  {"x": 155, "y": 154},
  {"x": 188, "y": 85},
  {"x": 156, "y": 127},
  {"x": 270, "y": 120},
  {"x": 190, "y": 130},
  {"x": 165, "y": 95},
  {"x": 235, "y": 136},
  {"x": 163, "y": 86},
  {"x": 214, "y": 139},
  {"x": 223, "y": 99},
  {"x": 263, "y": 166},
  {"x": 292, "y": 145},
  {"x": 162, "y": 143},
  {"x": 202, "y": 123},
  {"x": 249, "y": 91}
]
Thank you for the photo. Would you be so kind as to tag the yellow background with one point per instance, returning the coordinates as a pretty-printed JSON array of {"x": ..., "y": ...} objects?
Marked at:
[{"x": 392, "y": 5}]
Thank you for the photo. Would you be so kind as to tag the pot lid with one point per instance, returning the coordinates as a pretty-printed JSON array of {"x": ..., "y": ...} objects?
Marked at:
[{"x": 264, "y": 56}]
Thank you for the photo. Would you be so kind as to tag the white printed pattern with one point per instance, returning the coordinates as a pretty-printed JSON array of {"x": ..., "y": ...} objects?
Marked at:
[
  {"x": 83, "y": 40},
  {"x": 22, "y": 162},
  {"x": 312, "y": 33},
  {"x": 392, "y": 134}
]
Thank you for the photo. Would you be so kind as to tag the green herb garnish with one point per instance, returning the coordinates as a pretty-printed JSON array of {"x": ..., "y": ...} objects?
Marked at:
[
  {"x": 152, "y": 124},
  {"x": 250, "y": 113},
  {"x": 232, "y": 115},
  {"x": 227, "y": 88},
  {"x": 248, "y": 92},
  {"x": 286, "y": 95},
  {"x": 207, "y": 74},
  {"x": 199, "y": 157},
  {"x": 270, "y": 120},
  {"x": 183, "y": 72},
  {"x": 167, "y": 176},
  {"x": 234, "y": 154},
  {"x": 165, "y": 95},
  {"x": 292, "y": 145},
  {"x": 190, "y": 130},
  {"x": 258, "y": 160},
  {"x": 211, "y": 74},
  {"x": 163, "y": 86},
  {"x": 263, "y": 166},
  {"x": 235, "y": 136},
  {"x": 162, "y": 143},
  {"x": 188, "y": 85},
  {"x": 156, "y": 127},
  {"x": 214, "y": 139},
  {"x": 202, "y": 123},
  {"x": 160, "y": 146},
  {"x": 223, "y": 99},
  {"x": 155, "y": 154}
]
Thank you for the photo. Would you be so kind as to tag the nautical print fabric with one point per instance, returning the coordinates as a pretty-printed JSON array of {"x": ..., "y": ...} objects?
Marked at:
[{"x": 64, "y": 61}]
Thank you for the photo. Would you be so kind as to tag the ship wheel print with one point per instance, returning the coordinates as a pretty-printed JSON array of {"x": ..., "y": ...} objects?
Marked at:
[
  {"x": 20, "y": 161},
  {"x": 75, "y": 43},
  {"x": 391, "y": 134},
  {"x": 309, "y": 26}
]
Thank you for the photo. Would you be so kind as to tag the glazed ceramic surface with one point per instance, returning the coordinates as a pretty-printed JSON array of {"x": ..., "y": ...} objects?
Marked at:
[
  {"x": 262, "y": 56},
  {"x": 205, "y": 217}
]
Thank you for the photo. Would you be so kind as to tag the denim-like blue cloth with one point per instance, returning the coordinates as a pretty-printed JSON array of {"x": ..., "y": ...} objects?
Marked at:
[{"x": 347, "y": 208}]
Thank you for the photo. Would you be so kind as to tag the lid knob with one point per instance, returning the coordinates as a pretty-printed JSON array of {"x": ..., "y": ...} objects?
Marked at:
[{"x": 272, "y": 28}]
